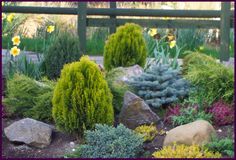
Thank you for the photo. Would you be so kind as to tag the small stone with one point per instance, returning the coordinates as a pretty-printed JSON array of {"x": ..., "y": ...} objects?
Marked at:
[{"x": 72, "y": 144}]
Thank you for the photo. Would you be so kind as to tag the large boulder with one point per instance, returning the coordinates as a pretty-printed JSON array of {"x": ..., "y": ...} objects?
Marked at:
[
  {"x": 197, "y": 132},
  {"x": 29, "y": 131},
  {"x": 136, "y": 112}
]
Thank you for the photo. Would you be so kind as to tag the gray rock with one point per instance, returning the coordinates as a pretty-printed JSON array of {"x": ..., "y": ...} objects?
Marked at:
[
  {"x": 136, "y": 112},
  {"x": 128, "y": 72},
  {"x": 29, "y": 131}
]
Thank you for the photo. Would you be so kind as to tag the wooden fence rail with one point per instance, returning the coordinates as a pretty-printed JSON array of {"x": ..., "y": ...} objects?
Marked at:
[{"x": 224, "y": 24}]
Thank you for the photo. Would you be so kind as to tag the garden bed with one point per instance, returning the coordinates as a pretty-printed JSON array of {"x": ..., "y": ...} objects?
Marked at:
[
  {"x": 142, "y": 98},
  {"x": 61, "y": 143}
]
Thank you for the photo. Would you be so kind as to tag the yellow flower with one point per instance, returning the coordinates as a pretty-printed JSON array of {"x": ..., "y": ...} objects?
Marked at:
[
  {"x": 15, "y": 51},
  {"x": 172, "y": 44},
  {"x": 2, "y": 3},
  {"x": 16, "y": 40},
  {"x": 10, "y": 17},
  {"x": 152, "y": 32},
  {"x": 50, "y": 29},
  {"x": 171, "y": 37},
  {"x": 3, "y": 16},
  {"x": 201, "y": 48}
]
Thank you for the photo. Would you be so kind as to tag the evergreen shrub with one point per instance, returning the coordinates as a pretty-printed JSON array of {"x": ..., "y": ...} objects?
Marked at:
[
  {"x": 109, "y": 142},
  {"x": 213, "y": 79},
  {"x": 160, "y": 85},
  {"x": 81, "y": 98},
  {"x": 27, "y": 97},
  {"x": 64, "y": 49},
  {"x": 125, "y": 48}
]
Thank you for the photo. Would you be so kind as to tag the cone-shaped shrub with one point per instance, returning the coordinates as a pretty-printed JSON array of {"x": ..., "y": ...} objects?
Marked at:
[
  {"x": 64, "y": 49},
  {"x": 81, "y": 98},
  {"x": 125, "y": 48},
  {"x": 160, "y": 85}
]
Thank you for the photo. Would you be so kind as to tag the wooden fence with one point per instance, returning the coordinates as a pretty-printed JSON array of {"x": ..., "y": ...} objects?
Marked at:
[{"x": 224, "y": 24}]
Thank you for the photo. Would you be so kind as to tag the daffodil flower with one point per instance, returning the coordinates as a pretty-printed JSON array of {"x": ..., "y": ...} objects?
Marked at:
[
  {"x": 16, "y": 40},
  {"x": 50, "y": 29},
  {"x": 171, "y": 38},
  {"x": 172, "y": 44},
  {"x": 10, "y": 17},
  {"x": 3, "y": 16},
  {"x": 152, "y": 32},
  {"x": 15, "y": 51},
  {"x": 2, "y": 3}
]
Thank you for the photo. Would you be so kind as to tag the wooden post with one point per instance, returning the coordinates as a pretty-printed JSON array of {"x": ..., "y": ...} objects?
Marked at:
[
  {"x": 224, "y": 31},
  {"x": 113, "y": 18},
  {"x": 82, "y": 23}
]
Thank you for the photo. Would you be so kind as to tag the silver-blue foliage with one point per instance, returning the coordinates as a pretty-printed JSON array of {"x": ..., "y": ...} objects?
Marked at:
[
  {"x": 160, "y": 84},
  {"x": 109, "y": 142}
]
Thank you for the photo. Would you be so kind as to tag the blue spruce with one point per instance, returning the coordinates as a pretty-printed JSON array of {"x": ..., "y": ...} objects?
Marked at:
[{"x": 160, "y": 84}]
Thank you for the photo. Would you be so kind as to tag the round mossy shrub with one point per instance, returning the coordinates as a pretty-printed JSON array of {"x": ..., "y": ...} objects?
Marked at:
[
  {"x": 196, "y": 58},
  {"x": 81, "y": 98},
  {"x": 64, "y": 49},
  {"x": 125, "y": 48}
]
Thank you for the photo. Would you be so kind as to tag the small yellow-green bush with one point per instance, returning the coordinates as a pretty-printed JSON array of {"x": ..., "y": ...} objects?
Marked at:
[
  {"x": 184, "y": 151},
  {"x": 195, "y": 58},
  {"x": 148, "y": 132},
  {"x": 125, "y": 48},
  {"x": 81, "y": 98},
  {"x": 26, "y": 97},
  {"x": 213, "y": 80}
]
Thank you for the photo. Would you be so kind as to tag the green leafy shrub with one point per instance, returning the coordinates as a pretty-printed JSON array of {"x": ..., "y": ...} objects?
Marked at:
[
  {"x": 214, "y": 80},
  {"x": 64, "y": 49},
  {"x": 25, "y": 94},
  {"x": 125, "y": 48},
  {"x": 109, "y": 142},
  {"x": 160, "y": 85},
  {"x": 81, "y": 98},
  {"x": 224, "y": 146},
  {"x": 184, "y": 151},
  {"x": 148, "y": 132},
  {"x": 118, "y": 88},
  {"x": 190, "y": 114}
]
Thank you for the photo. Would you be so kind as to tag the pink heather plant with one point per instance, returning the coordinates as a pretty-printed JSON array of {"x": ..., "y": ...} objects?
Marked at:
[
  {"x": 172, "y": 111},
  {"x": 223, "y": 113}
]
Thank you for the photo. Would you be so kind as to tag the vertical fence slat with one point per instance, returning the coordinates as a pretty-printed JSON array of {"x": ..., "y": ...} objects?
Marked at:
[
  {"x": 224, "y": 31},
  {"x": 113, "y": 19},
  {"x": 81, "y": 26}
]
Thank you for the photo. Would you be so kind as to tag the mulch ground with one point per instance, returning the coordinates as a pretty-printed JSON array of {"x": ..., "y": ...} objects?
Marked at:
[{"x": 60, "y": 144}]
